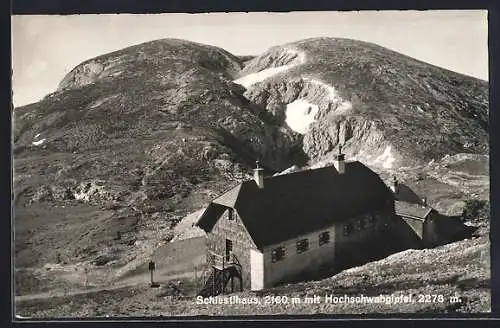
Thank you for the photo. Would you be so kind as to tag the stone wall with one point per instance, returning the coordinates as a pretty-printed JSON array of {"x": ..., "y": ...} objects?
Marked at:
[{"x": 242, "y": 243}]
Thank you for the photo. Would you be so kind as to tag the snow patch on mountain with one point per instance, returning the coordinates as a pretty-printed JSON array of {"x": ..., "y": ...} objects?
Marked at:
[
  {"x": 256, "y": 77},
  {"x": 300, "y": 114},
  {"x": 291, "y": 169},
  {"x": 386, "y": 159},
  {"x": 38, "y": 142},
  {"x": 253, "y": 78}
]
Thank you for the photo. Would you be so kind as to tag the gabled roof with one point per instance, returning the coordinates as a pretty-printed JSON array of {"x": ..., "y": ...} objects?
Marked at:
[
  {"x": 412, "y": 210},
  {"x": 294, "y": 204},
  {"x": 210, "y": 216},
  {"x": 229, "y": 198}
]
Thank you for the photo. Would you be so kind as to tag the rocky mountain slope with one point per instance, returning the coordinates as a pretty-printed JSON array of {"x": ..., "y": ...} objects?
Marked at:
[
  {"x": 132, "y": 141},
  {"x": 389, "y": 109},
  {"x": 145, "y": 131}
]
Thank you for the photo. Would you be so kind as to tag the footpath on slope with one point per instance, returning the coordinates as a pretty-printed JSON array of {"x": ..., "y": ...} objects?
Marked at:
[
  {"x": 176, "y": 260},
  {"x": 128, "y": 282}
]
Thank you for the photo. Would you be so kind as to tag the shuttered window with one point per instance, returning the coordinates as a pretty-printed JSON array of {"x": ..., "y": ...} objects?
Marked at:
[
  {"x": 357, "y": 225},
  {"x": 371, "y": 219},
  {"x": 302, "y": 246},
  {"x": 324, "y": 238},
  {"x": 347, "y": 229},
  {"x": 278, "y": 254}
]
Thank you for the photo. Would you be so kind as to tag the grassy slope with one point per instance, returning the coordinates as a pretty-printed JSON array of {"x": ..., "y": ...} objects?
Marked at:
[{"x": 463, "y": 271}]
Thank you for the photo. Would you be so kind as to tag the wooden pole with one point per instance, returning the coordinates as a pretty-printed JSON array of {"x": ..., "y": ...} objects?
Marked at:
[
  {"x": 152, "y": 267},
  {"x": 196, "y": 278},
  {"x": 213, "y": 280}
]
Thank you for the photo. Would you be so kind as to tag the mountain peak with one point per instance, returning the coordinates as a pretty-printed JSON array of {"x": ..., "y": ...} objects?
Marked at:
[
  {"x": 320, "y": 85},
  {"x": 157, "y": 55}
]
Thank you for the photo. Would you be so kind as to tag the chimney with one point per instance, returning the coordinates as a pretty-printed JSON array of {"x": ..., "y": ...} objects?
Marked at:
[
  {"x": 394, "y": 185},
  {"x": 258, "y": 175},
  {"x": 424, "y": 201},
  {"x": 339, "y": 162}
]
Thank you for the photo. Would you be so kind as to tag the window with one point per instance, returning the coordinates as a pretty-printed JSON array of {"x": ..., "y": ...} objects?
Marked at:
[
  {"x": 324, "y": 238},
  {"x": 278, "y": 254},
  {"x": 362, "y": 224},
  {"x": 371, "y": 219},
  {"x": 230, "y": 214},
  {"x": 229, "y": 249},
  {"x": 302, "y": 246},
  {"x": 348, "y": 229},
  {"x": 357, "y": 225},
  {"x": 368, "y": 220}
]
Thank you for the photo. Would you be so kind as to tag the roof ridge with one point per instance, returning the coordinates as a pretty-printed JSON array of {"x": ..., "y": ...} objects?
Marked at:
[
  {"x": 240, "y": 192},
  {"x": 236, "y": 189},
  {"x": 229, "y": 189},
  {"x": 311, "y": 169},
  {"x": 414, "y": 204}
]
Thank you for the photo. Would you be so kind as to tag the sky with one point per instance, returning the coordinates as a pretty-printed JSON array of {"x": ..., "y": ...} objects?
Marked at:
[{"x": 46, "y": 48}]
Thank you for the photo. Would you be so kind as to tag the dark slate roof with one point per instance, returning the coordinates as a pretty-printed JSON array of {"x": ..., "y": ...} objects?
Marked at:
[
  {"x": 447, "y": 227},
  {"x": 209, "y": 217},
  {"x": 412, "y": 210},
  {"x": 406, "y": 194},
  {"x": 293, "y": 204}
]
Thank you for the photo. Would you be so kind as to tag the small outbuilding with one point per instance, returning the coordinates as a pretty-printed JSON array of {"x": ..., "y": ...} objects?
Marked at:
[{"x": 422, "y": 226}]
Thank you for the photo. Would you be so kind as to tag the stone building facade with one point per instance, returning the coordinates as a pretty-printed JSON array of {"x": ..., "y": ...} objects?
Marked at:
[{"x": 290, "y": 227}]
